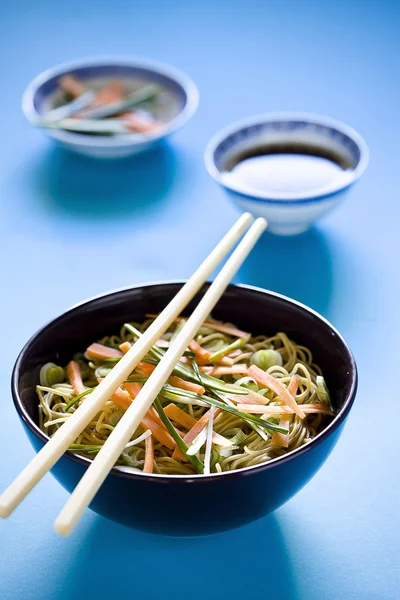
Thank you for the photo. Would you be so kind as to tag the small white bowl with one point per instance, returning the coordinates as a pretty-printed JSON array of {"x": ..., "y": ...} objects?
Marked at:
[
  {"x": 287, "y": 213},
  {"x": 41, "y": 94}
]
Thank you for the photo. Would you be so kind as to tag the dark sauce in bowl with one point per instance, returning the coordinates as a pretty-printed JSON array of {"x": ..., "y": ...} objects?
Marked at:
[{"x": 287, "y": 168}]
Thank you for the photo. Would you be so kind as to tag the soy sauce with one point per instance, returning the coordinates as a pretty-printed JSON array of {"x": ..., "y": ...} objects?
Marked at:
[{"x": 287, "y": 168}]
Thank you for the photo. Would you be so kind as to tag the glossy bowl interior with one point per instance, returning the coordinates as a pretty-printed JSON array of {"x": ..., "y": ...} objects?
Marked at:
[
  {"x": 42, "y": 94},
  {"x": 196, "y": 505}
]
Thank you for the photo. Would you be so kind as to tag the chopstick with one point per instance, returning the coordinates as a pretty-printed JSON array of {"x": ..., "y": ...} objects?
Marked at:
[
  {"x": 76, "y": 423},
  {"x": 114, "y": 445}
]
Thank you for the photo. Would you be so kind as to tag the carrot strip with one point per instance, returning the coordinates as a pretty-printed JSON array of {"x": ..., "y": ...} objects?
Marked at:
[
  {"x": 136, "y": 122},
  {"x": 72, "y": 85},
  {"x": 284, "y": 409},
  {"x": 179, "y": 416},
  {"x": 226, "y": 329},
  {"x": 186, "y": 385},
  {"x": 100, "y": 352},
  {"x": 193, "y": 433},
  {"x": 176, "y": 414},
  {"x": 154, "y": 416},
  {"x": 75, "y": 378},
  {"x": 215, "y": 325},
  {"x": 235, "y": 353},
  {"x": 282, "y": 439},
  {"x": 149, "y": 455},
  {"x": 112, "y": 92},
  {"x": 237, "y": 369},
  {"x": 121, "y": 398},
  {"x": 276, "y": 386},
  {"x": 133, "y": 388},
  {"x": 125, "y": 347},
  {"x": 201, "y": 355},
  {"x": 250, "y": 398},
  {"x": 124, "y": 400},
  {"x": 146, "y": 368},
  {"x": 159, "y": 433}
]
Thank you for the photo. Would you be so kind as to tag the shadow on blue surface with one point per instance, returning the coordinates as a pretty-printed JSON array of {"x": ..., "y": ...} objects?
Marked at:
[
  {"x": 299, "y": 267},
  {"x": 87, "y": 188},
  {"x": 237, "y": 563}
]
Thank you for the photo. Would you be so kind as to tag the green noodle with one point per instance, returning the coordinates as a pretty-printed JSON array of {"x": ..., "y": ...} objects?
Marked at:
[{"x": 250, "y": 446}]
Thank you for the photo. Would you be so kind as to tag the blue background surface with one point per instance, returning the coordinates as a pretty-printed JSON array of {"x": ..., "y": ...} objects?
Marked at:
[{"x": 71, "y": 228}]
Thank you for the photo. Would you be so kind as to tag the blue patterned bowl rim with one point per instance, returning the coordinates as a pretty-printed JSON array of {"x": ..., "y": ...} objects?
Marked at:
[
  {"x": 235, "y": 132},
  {"x": 183, "y": 82}
]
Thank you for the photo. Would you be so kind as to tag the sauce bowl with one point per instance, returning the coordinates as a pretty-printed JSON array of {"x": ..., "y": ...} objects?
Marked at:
[{"x": 287, "y": 212}]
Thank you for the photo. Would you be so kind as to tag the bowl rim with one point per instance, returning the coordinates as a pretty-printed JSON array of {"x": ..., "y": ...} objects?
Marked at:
[
  {"x": 155, "y": 477},
  {"x": 288, "y": 198},
  {"x": 184, "y": 81}
]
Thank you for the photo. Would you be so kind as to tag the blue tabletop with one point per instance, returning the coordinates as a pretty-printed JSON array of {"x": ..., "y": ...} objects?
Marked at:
[{"x": 71, "y": 228}]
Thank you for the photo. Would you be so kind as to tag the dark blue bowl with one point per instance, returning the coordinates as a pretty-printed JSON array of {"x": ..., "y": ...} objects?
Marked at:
[{"x": 198, "y": 505}]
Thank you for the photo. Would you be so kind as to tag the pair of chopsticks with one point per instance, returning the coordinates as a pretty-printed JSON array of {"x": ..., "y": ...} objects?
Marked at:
[{"x": 112, "y": 448}]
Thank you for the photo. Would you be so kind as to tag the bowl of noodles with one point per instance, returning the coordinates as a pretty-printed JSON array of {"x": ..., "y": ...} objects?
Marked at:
[{"x": 259, "y": 397}]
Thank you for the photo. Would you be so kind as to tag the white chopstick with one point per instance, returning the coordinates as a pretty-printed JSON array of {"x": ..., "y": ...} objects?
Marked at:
[
  {"x": 112, "y": 448},
  {"x": 77, "y": 422}
]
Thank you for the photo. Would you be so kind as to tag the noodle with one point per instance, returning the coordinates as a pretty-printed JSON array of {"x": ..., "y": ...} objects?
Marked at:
[{"x": 246, "y": 443}]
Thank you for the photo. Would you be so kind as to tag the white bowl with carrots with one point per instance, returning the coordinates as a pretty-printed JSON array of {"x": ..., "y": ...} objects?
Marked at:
[{"x": 110, "y": 107}]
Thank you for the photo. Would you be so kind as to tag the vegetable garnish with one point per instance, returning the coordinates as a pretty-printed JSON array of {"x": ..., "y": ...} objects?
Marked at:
[
  {"x": 75, "y": 377},
  {"x": 133, "y": 99},
  {"x": 181, "y": 443},
  {"x": 276, "y": 386},
  {"x": 281, "y": 439},
  {"x": 88, "y": 109}
]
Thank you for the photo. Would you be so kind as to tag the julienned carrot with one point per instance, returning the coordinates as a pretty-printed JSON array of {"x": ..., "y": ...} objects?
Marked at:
[
  {"x": 75, "y": 378},
  {"x": 282, "y": 439},
  {"x": 179, "y": 416},
  {"x": 193, "y": 433},
  {"x": 238, "y": 369},
  {"x": 123, "y": 399},
  {"x": 222, "y": 327},
  {"x": 186, "y": 385},
  {"x": 276, "y": 386},
  {"x": 154, "y": 416},
  {"x": 149, "y": 455},
  {"x": 234, "y": 353},
  {"x": 159, "y": 433},
  {"x": 133, "y": 388},
  {"x": 228, "y": 329},
  {"x": 139, "y": 123},
  {"x": 202, "y": 355},
  {"x": 72, "y": 85},
  {"x": 100, "y": 352},
  {"x": 284, "y": 409},
  {"x": 125, "y": 347},
  {"x": 145, "y": 368},
  {"x": 176, "y": 414},
  {"x": 250, "y": 398},
  {"x": 113, "y": 91}
]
